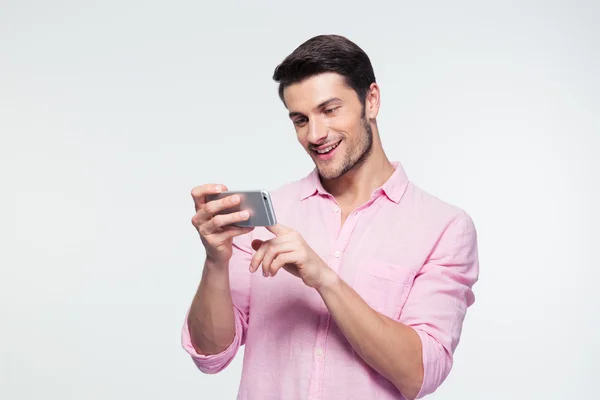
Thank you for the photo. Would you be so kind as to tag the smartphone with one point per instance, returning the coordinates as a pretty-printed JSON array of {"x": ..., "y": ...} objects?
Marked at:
[{"x": 257, "y": 202}]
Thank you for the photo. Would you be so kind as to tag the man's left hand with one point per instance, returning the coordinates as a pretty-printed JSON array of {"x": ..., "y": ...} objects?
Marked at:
[{"x": 289, "y": 251}]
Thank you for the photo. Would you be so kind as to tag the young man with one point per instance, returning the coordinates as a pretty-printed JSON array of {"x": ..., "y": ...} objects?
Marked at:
[{"x": 361, "y": 291}]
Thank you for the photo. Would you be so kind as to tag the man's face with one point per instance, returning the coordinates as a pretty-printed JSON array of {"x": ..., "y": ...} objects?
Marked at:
[{"x": 330, "y": 123}]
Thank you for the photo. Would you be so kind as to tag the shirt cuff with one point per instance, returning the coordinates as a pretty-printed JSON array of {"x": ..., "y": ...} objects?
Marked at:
[
  {"x": 436, "y": 364},
  {"x": 213, "y": 363}
]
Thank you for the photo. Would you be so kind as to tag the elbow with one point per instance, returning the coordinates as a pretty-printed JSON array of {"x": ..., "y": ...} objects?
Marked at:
[
  {"x": 410, "y": 387},
  {"x": 414, "y": 387},
  {"x": 429, "y": 372},
  {"x": 217, "y": 359}
]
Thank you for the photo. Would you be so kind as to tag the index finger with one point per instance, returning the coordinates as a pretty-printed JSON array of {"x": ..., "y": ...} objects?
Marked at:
[
  {"x": 278, "y": 229},
  {"x": 199, "y": 193}
]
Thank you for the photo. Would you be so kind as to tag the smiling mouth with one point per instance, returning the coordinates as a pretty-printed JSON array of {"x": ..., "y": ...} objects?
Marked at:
[{"x": 328, "y": 149}]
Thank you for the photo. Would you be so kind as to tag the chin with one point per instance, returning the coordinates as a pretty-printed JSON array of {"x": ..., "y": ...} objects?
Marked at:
[
  {"x": 330, "y": 171},
  {"x": 335, "y": 167}
]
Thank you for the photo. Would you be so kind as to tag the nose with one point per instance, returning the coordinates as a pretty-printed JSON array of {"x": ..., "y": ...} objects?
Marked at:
[{"x": 317, "y": 131}]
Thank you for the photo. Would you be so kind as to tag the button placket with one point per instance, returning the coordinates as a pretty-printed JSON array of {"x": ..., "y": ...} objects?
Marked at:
[
  {"x": 316, "y": 382},
  {"x": 335, "y": 259},
  {"x": 348, "y": 229}
]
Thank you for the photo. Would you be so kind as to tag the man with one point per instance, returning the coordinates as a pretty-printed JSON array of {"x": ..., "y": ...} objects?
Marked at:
[{"x": 363, "y": 286}]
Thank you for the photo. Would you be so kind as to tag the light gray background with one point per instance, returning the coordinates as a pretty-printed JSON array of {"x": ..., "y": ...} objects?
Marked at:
[{"x": 110, "y": 112}]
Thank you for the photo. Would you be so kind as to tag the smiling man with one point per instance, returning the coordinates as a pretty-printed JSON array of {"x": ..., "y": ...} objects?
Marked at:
[{"x": 365, "y": 282}]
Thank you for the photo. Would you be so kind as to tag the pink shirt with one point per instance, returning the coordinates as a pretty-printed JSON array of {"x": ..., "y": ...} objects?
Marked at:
[{"x": 409, "y": 255}]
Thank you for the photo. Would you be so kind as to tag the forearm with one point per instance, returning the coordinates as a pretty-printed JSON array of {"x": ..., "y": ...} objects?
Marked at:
[
  {"x": 211, "y": 318},
  {"x": 389, "y": 347}
]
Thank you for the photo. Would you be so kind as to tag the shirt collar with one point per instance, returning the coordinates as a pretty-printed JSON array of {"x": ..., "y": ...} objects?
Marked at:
[{"x": 393, "y": 188}]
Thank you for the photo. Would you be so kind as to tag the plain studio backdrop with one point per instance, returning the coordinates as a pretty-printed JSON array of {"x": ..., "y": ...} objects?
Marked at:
[{"x": 111, "y": 112}]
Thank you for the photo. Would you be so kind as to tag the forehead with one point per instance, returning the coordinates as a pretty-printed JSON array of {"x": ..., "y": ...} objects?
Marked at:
[{"x": 309, "y": 93}]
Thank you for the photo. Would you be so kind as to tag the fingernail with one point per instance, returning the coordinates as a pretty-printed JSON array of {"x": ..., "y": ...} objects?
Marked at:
[
  {"x": 218, "y": 189},
  {"x": 235, "y": 198},
  {"x": 245, "y": 214}
]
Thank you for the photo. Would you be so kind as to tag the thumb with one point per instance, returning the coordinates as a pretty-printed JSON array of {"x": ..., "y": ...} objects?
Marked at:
[{"x": 256, "y": 243}]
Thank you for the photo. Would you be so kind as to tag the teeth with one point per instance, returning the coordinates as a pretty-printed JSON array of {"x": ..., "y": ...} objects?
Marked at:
[{"x": 328, "y": 149}]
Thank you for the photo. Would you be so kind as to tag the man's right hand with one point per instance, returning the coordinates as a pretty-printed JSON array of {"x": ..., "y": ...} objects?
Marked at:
[{"x": 217, "y": 231}]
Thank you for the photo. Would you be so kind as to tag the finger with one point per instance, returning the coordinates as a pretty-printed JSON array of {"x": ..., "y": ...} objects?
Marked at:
[
  {"x": 256, "y": 243},
  {"x": 275, "y": 249},
  {"x": 271, "y": 253},
  {"x": 220, "y": 221},
  {"x": 230, "y": 232},
  {"x": 258, "y": 256},
  {"x": 208, "y": 210},
  {"x": 279, "y": 229},
  {"x": 261, "y": 247},
  {"x": 280, "y": 261},
  {"x": 213, "y": 207},
  {"x": 200, "y": 218},
  {"x": 199, "y": 193}
]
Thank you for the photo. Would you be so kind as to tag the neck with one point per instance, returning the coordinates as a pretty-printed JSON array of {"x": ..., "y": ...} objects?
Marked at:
[{"x": 355, "y": 187}]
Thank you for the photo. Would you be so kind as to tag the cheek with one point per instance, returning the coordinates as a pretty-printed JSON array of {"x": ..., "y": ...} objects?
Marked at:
[
  {"x": 301, "y": 137},
  {"x": 347, "y": 123}
]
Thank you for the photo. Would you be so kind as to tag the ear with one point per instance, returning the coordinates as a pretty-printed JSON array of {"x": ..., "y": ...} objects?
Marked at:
[{"x": 372, "y": 101}]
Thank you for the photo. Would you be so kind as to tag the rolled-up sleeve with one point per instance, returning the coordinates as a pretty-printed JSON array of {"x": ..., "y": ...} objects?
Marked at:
[
  {"x": 239, "y": 281},
  {"x": 438, "y": 301}
]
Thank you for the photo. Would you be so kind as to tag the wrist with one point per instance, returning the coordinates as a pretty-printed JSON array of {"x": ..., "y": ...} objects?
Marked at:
[
  {"x": 329, "y": 281},
  {"x": 213, "y": 266},
  {"x": 215, "y": 275}
]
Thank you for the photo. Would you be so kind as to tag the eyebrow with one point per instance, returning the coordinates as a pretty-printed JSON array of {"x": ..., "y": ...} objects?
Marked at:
[{"x": 321, "y": 105}]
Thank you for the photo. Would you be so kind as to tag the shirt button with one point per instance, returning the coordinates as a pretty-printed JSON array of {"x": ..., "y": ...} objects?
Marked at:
[
  {"x": 336, "y": 209},
  {"x": 337, "y": 254},
  {"x": 319, "y": 352}
]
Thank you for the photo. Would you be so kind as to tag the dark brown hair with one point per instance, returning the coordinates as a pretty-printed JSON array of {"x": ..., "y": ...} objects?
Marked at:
[{"x": 327, "y": 53}]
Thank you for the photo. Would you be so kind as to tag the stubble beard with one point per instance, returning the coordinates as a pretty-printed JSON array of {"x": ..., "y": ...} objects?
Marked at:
[{"x": 353, "y": 157}]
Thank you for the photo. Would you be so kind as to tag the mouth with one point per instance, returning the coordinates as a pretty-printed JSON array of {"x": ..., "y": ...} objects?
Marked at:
[{"x": 327, "y": 152}]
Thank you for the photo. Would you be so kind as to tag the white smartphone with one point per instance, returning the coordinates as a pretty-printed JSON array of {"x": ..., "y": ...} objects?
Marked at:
[{"x": 257, "y": 202}]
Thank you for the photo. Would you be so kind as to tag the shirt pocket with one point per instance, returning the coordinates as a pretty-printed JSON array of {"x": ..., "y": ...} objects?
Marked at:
[{"x": 384, "y": 286}]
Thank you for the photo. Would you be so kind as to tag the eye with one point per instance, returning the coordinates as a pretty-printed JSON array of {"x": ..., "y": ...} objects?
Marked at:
[
  {"x": 300, "y": 121},
  {"x": 330, "y": 111}
]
